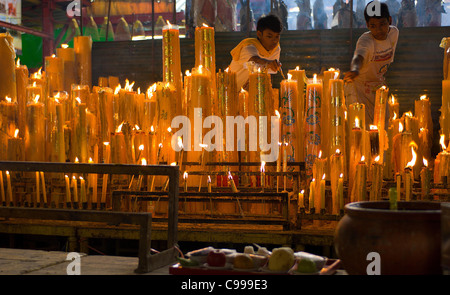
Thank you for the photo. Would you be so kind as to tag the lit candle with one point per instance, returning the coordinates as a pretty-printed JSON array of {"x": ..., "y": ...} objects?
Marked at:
[
  {"x": 313, "y": 119},
  {"x": 425, "y": 179},
  {"x": 336, "y": 169},
  {"x": 263, "y": 175},
  {"x": 106, "y": 157},
  {"x": 393, "y": 108},
  {"x": 337, "y": 116},
  {"x": 326, "y": 116},
  {"x": 35, "y": 131},
  {"x": 54, "y": 69},
  {"x": 376, "y": 178},
  {"x": 231, "y": 183},
  {"x": 285, "y": 164},
  {"x": 301, "y": 199},
  {"x": 205, "y": 51},
  {"x": 209, "y": 184},
  {"x": 289, "y": 107},
  {"x": 83, "y": 57},
  {"x": 172, "y": 62},
  {"x": 75, "y": 189},
  {"x": 341, "y": 192},
  {"x": 444, "y": 120},
  {"x": 422, "y": 110},
  {"x": 322, "y": 193},
  {"x": 409, "y": 176},
  {"x": 7, "y": 74},
  {"x": 185, "y": 177},
  {"x": 356, "y": 143},
  {"x": 374, "y": 139},
  {"x": 379, "y": 119},
  {"x": 16, "y": 150},
  {"x": 67, "y": 54},
  {"x": 319, "y": 168},
  {"x": 8, "y": 188},
  {"x": 358, "y": 193},
  {"x": 312, "y": 189},
  {"x": 21, "y": 86},
  {"x": 300, "y": 76},
  {"x": 278, "y": 165},
  {"x": 82, "y": 190},
  {"x": 38, "y": 193},
  {"x": 44, "y": 190}
]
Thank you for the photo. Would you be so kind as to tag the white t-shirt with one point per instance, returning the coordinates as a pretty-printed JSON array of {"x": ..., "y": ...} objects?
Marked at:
[
  {"x": 240, "y": 66},
  {"x": 378, "y": 55}
]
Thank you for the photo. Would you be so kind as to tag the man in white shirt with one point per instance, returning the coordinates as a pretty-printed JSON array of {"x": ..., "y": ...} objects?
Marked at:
[
  {"x": 264, "y": 50},
  {"x": 374, "y": 53}
]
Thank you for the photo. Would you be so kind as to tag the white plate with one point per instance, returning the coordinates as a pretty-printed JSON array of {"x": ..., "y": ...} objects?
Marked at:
[{"x": 227, "y": 266}]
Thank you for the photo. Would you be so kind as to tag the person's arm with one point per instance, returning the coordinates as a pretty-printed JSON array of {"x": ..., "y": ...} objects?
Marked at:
[
  {"x": 274, "y": 65},
  {"x": 355, "y": 66}
]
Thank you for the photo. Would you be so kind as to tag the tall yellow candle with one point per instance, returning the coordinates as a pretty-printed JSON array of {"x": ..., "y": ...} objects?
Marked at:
[
  {"x": 337, "y": 110},
  {"x": 444, "y": 119},
  {"x": 312, "y": 191},
  {"x": 8, "y": 189},
  {"x": 172, "y": 61},
  {"x": 54, "y": 69},
  {"x": 300, "y": 76},
  {"x": 328, "y": 76},
  {"x": 67, "y": 54},
  {"x": 7, "y": 64},
  {"x": 35, "y": 131},
  {"x": 83, "y": 57},
  {"x": 21, "y": 86},
  {"x": 290, "y": 127},
  {"x": 313, "y": 127}
]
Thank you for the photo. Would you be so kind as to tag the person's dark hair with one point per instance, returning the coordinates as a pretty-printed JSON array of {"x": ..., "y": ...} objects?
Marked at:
[
  {"x": 271, "y": 22},
  {"x": 384, "y": 11}
]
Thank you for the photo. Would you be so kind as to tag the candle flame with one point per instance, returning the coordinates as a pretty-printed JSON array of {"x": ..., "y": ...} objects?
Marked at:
[
  {"x": 78, "y": 99},
  {"x": 169, "y": 129},
  {"x": 243, "y": 90},
  {"x": 16, "y": 133},
  {"x": 144, "y": 161},
  {"x": 81, "y": 178},
  {"x": 400, "y": 127},
  {"x": 423, "y": 97},
  {"x": 34, "y": 84},
  {"x": 377, "y": 158},
  {"x": 203, "y": 145},
  {"x": 200, "y": 69},
  {"x": 152, "y": 129},
  {"x": 302, "y": 191},
  {"x": 392, "y": 100},
  {"x": 116, "y": 91},
  {"x": 74, "y": 178},
  {"x": 141, "y": 147},
  {"x": 18, "y": 62},
  {"x": 323, "y": 176},
  {"x": 315, "y": 78},
  {"x": 414, "y": 156},
  {"x": 38, "y": 74},
  {"x": 357, "y": 123},
  {"x": 373, "y": 127},
  {"x": 383, "y": 87},
  {"x": 297, "y": 68},
  {"x": 173, "y": 164},
  {"x": 442, "y": 142},
  {"x": 395, "y": 116},
  {"x": 188, "y": 73},
  {"x": 363, "y": 158},
  {"x": 230, "y": 176},
  {"x": 180, "y": 142},
  {"x": 341, "y": 175},
  {"x": 289, "y": 76},
  {"x": 64, "y": 46},
  {"x": 279, "y": 143},
  {"x": 345, "y": 115},
  {"x": 90, "y": 160},
  {"x": 105, "y": 143},
  {"x": 53, "y": 55},
  {"x": 338, "y": 151},
  {"x": 277, "y": 113},
  {"x": 209, "y": 179},
  {"x": 119, "y": 128},
  {"x": 185, "y": 175},
  {"x": 36, "y": 98},
  {"x": 160, "y": 145},
  {"x": 336, "y": 75},
  {"x": 226, "y": 70},
  {"x": 313, "y": 180},
  {"x": 425, "y": 162},
  {"x": 263, "y": 165},
  {"x": 320, "y": 154},
  {"x": 8, "y": 99},
  {"x": 76, "y": 160},
  {"x": 409, "y": 114},
  {"x": 205, "y": 25},
  {"x": 331, "y": 69},
  {"x": 139, "y": 90},
  {"x": 169, "y": 24}
]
